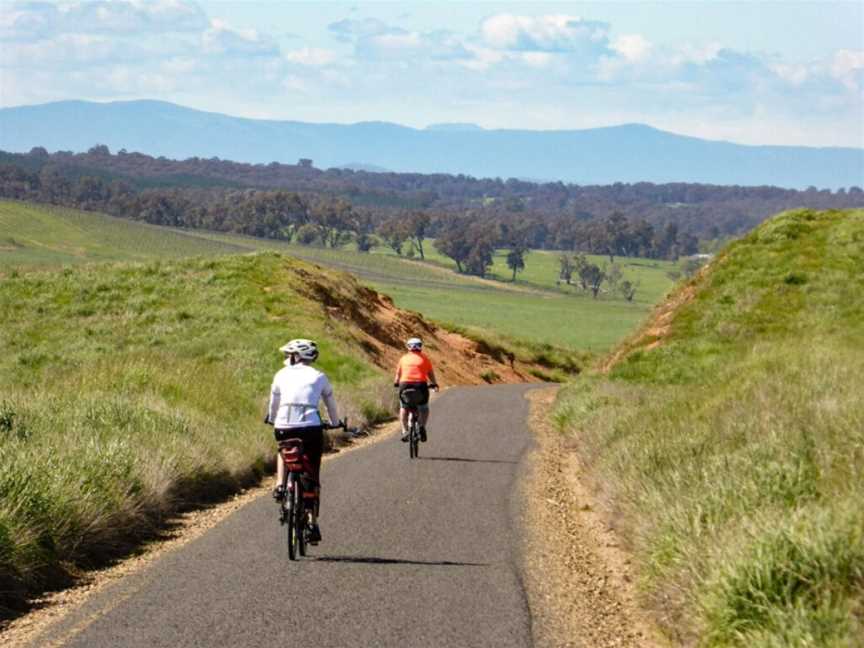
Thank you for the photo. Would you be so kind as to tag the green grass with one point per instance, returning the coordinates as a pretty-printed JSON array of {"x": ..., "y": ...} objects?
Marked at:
[
  {"x": 127, "y": 388},
  {"x": 542, "y": 268},
  {"x": 533, "y": 309},
  {"x": 533, "y": 313},
  {"x": 733, "y": 450},
  {"x": 40, "y": 236},
  {"x": 578, "y": 323}
]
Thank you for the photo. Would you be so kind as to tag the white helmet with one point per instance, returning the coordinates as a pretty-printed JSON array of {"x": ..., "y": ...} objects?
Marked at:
[
  {"x": 414, "y": 344},
  {"x": 303, "y": 349}
]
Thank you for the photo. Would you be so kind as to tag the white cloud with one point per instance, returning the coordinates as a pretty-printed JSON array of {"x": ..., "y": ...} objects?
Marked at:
[
  {"x": 538, "y": 59},
  {"x": 351, "y": 28},
  {"x": 27, "y": 21},
  {"x": 133, "y": 16},
  {"x": 793, "y": 73},
  {"x": 312, "y": 56},
  {"x": 223, "y": 39},
  {"x": 69, "y": 50},
  {"x": 632, "y": 47},
  {"x": 554, "y": 33},
  {"x": 399, "y": 44},
  {"x": 848, "y": 68},
  {"x": 482, "y": 58},
  {"x": 690, "y": 53}
]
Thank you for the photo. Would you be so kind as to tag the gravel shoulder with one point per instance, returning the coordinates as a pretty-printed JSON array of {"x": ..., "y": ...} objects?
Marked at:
[{"x": 578, "y": 578}]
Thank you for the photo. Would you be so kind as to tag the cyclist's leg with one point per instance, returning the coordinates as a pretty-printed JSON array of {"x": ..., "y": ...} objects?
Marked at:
[
  {"x": 313, "y": 445},
  {"x": 280, "y": 468},
  {"x": 403, "y": 418},
  {"x": 403, "y": 412},
  {"x": 423, "y": 413}
]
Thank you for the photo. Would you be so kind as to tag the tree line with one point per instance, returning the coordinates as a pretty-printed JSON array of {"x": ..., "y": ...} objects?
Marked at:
[
  {"x": 703, "y": 211},
  {"x": 467, "y": 232},
  {"x": 469, "y": 238}
]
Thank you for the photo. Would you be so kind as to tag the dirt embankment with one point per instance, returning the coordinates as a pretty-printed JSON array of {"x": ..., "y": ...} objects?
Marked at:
[
  {"x": 380, "y": 329},
  {"x": 659, "y": 325}
]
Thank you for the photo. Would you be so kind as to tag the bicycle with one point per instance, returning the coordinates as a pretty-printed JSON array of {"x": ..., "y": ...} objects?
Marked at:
[
  {"x": 413, "y": 431},
  {"x": 299, "y": 498},
  {"x": 408, "y": 400}
]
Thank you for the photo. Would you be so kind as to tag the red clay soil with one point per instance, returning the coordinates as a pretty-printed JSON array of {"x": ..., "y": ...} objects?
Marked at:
[
  {"x": 381, "y": 329},
  {"x": 657, "y": 328}
]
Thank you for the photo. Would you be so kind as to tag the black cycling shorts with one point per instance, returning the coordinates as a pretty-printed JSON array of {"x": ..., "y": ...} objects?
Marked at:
[
  {"x": 417, "y": 396},
  {"x": 313, "y": 443}
]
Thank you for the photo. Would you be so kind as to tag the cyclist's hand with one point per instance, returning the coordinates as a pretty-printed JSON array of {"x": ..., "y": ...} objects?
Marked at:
[
  {"x": 396, "y": 384},
  {"x": 267, "y": 420},
  {"x": 433, "y": 386}
]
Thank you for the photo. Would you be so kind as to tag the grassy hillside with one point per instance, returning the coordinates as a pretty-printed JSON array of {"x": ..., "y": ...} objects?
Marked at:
[
  {"x": 125, "y": 388},
  {"x": 36, "y": 236},
  {"x": 729, "y": 433}
]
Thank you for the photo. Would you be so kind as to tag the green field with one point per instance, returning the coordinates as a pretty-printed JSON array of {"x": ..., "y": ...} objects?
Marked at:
[
  {"x": 44, "y": 236},
  {"x": 733, "y": 450},
  {"x": 533, "y": 308},
  {"x": 542, "y": 267}
]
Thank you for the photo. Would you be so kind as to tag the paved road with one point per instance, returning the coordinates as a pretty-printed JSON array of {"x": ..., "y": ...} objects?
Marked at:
[{"x": 422, "y": 553}]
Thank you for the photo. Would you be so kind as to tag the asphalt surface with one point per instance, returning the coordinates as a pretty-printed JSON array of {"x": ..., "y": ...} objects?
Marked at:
[{"x": 414, "y": 553}]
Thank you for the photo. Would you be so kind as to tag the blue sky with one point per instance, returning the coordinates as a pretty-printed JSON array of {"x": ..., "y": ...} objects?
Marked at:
[{"x": 766, "y": 72}]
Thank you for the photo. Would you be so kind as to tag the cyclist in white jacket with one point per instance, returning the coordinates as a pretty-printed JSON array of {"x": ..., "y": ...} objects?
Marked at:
[{"x": 294, "y": 396}]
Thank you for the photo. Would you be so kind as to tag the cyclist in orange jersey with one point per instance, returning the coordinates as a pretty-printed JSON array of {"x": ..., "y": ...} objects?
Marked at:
[{"x": 414, "y": 374}]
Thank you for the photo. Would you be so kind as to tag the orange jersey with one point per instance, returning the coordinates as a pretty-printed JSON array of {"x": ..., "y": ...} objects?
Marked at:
[{"x": 413, "y": 367}]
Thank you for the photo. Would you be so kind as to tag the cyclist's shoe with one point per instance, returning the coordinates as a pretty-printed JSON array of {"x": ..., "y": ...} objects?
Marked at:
[
  {"x": 405, "y": 435},
  {"x": 314, "y": 534},
  {"x": 279, "y": 493},
  {"x": 423, "y": 433}
]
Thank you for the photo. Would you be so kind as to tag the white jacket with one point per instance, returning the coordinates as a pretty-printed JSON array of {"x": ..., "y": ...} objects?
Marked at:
[{"x": 294, "y": 397}]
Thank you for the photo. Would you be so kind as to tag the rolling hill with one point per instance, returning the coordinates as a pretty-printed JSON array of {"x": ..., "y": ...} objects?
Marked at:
[
  {"x": 729, "y": 434},
  {"x": 38, "y": 236},
  {"x": 627, "y": 153}
]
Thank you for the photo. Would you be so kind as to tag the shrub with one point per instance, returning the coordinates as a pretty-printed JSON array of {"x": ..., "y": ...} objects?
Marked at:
[{"x": 489, "y": 376}]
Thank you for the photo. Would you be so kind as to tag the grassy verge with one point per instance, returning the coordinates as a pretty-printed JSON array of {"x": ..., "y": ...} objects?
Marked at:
[
  {"x": 732, "y": 450},
  {"x": 128, "y": 389}
]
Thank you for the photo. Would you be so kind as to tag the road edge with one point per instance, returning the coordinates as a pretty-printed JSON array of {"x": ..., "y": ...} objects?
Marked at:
[{"x": 578, "y": 578}]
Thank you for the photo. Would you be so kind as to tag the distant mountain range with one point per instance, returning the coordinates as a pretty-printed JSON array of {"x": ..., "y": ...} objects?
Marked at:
[{"x": 627, "y": 153}]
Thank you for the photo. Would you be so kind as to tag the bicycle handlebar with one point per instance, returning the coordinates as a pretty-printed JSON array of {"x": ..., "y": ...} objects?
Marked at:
[{"x": 343, "y": 424}]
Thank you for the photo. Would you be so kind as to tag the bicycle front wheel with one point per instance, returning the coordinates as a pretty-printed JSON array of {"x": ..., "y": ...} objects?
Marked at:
[
  {"x": 414, "y": 440},
  {"x": 292, "y": 504},
  {"x": 301, "y": 523}
]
